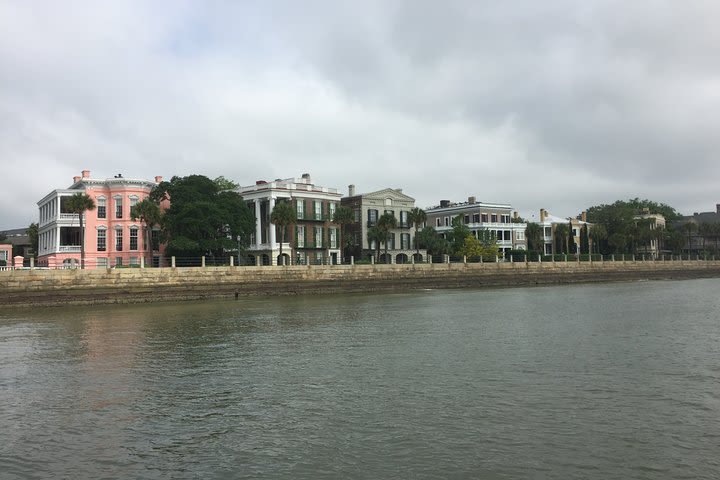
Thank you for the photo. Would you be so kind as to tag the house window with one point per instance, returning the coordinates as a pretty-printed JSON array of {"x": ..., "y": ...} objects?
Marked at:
[
  {"x": 519, "y": 235},
  {"x": 300, "y": 232},
  {"x": 438, "y": 222},
  {"x": 300, "y": 209},
  {"x": 155, "y": 240},
  {"x": 101, "y": 240},
  {"x": 118, "y": 261},
  {"x": 403, "y": 219},
  {"x": 101, "y": 207},
  {"x": 301, "y": 258},
  {"x": 318, "y": 210},
  {"x": 333, "y": 237},
  {"x": 548, "y": 231},
  {"x": 318, "y": 237},
  {"x": 118, "y": 207},
  {"x": 356, "y": 212},
  {"x": 118, "y": 240},
  {"x": 332, "y": 206},
  {"x": 484, "y": 217},
  {"x": 493, "y": 217},
  {"x": 466, "y": 219},
  {"x": 134, "y": 261},
  {"x": 447, "y": 221},
  {"x": 405, "y": 241},
  {"x": 391, "y": 241},
  {"x": 505, "y": 218},
  {"x": 476, "y": 218},
  {"x": 133, "y": 239},
  {"x": 506, "y": 235},
  {"x": 372, "y": 217},
  {"x": 133, "y": 201}
]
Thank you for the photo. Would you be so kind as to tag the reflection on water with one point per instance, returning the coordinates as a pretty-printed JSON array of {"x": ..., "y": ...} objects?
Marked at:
[{"x": 601, "y": 381}]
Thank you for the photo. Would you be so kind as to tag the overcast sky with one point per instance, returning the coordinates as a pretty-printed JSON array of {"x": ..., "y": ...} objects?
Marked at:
[{"x": 560, "y": 104}]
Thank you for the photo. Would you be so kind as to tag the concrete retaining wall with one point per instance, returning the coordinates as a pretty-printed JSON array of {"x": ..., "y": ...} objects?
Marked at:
[{"x": 60, "y": 287}]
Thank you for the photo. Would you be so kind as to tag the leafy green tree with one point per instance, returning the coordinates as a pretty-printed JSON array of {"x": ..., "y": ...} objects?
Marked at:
[
  {"x": 488, "y": 241},
  {"x": 32, "y": 232},
  {"x": 80, "y": 203},
  {"x": 534, "y": 236},
  {"x": 618, "y": 220},
  {"x": 458, "y": 234},
  {"x": 675, "y": 240},
  {"x": 416, "y": 218},
  {"x": 203, "y": 218},
  {"x": 343, "y": 217},
  {"x": 430, "y": 240},
  {"x": 385, "y": 224},
  {"x": 223, "y": 184},
  {"x": 283, "y": 215},
  {"x": 147, "y": 212},
  {"x": 3, "y": 237}
]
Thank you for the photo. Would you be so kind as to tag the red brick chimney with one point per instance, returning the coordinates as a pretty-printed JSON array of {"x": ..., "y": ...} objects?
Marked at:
[{"x": 86, "y": 174}]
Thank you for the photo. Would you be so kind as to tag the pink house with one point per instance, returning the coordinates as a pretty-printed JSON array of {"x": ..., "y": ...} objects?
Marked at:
[
  {"x": 112, "y": 238},
  {"x": 6, "y": 259}
]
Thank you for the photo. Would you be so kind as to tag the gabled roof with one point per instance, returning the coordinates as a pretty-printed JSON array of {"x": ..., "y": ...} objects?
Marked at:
[{"x": 388, "y": 193}]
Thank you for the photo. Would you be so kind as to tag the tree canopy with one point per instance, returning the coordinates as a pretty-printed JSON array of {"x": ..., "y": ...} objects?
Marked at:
[
  {"x": 621, "y": 228},
  {"x": 204, "y": 216}
]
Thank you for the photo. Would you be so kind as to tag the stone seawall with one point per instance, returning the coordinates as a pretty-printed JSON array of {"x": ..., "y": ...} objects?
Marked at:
[{"x": 62, "y": 287}]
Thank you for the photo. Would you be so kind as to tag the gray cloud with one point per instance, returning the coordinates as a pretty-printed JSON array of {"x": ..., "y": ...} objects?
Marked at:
[{"x": 559, "y": 106}]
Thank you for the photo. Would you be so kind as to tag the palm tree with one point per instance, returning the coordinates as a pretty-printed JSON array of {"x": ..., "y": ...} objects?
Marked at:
[
  {"x": 79, "y": 203},
  {"x": 597, "y": 234},
  {"x": 689, "y": 227},
  {"x": 343, "y": 216},
  {"x": 417, "y": 217},
  {"x": 374, "y": 234},
  {"x": 534, "y": 237},
  {"x": 283, "y": 214},
  {"x": 385, "y": 223},
  {"x": 148, "y": 212}
]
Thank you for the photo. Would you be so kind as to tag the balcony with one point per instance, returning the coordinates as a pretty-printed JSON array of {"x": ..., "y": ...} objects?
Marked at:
[{"x": 69, "y": 249}]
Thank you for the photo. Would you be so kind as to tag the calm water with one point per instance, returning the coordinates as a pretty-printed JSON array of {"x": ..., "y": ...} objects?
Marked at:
[{"x": 603, "y": 381}]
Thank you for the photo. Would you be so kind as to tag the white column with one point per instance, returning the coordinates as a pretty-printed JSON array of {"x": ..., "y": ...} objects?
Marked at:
[
  {"x": 258, "y": 224},
  {"x": 272, "y": 226}
]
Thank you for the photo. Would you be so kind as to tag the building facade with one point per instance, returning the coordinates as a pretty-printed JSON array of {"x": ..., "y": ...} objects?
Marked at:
[
  {"x": 112, "y": 238},
  {"x": 549, "y": 224},
  {"x": 699, "y": 231},
  {"x": 315, "y": 238},
  {"x": 368, "y": 208},
  {"x": 495, "y": 217}
]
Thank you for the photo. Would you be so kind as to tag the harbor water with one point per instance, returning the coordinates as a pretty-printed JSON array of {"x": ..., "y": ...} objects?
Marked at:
[{"x": 589, "y": 381}]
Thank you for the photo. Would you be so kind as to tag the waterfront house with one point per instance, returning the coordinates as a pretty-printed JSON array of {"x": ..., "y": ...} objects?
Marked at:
[
  {"x": 368, "y": 208},
  {"x": 701, "y": 231},
  {"x": 495, "y": 217},
  {"x": 315, "y": 236},
  {"x": 112, "y": 238},
  {"x": 549, "y": 224}
]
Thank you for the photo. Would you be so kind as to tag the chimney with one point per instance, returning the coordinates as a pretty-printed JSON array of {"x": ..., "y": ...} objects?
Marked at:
[
  {"x": 399, "y": 190},
  {"x": 351, "y": 190},
  {"x": 542, "y": 215},
  {"x": 306, "y": 177},
  {"x": 583, "y": 216},
  {"x": 158, "y": 178},
  {"x": 86, "y": 174},
  {"x": 76, "y": 179},
  {"x": 515, "y": 214},
  {"x": 471, "y": 199},
  {"x": 444, "y": 203}
]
